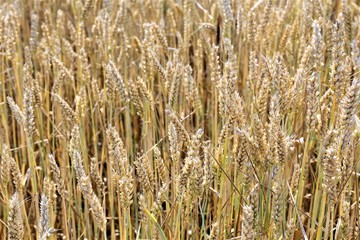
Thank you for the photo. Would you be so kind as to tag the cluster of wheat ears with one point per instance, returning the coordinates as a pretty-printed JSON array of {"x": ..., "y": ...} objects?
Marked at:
[{"x": 169, "y": 119}]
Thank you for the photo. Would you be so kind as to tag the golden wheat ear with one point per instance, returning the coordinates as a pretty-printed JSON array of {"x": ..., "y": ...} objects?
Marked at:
[
  {"x": 44, "y": 225},
  {"x": 15, "y": 222},
  {"x": 5, "y": 166},
  {"x": 96, "y": 209}
]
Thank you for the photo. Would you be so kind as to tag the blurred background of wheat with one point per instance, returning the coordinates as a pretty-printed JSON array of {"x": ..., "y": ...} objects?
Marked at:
[{"x": 193, "y": 119}]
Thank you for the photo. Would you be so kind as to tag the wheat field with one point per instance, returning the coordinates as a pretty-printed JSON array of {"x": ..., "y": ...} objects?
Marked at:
[{"x": 179, "y": 119}]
